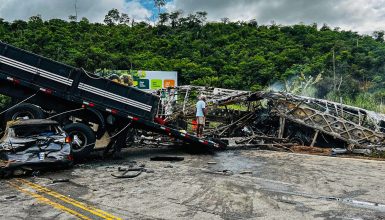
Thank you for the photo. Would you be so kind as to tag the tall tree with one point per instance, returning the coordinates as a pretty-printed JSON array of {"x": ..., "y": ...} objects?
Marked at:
[
  {"x": 159, "y": 4},
  {"x": 163, "y": 18},
  {"x": 36, "y": 18},
  {"x": 174, "y": 16},
  {"x": 225, "y": 20},
  {"x": 72, "y": 18},
  {"x": 112, "y": 17},
  {"x": 124, "y": 19},
  {"x": 379, "y": 36},
  {"x": 201, "y": 16}
]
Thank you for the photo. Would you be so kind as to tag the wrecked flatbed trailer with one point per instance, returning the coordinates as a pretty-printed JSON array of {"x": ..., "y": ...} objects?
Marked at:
[{"x": 50, "y": 88}]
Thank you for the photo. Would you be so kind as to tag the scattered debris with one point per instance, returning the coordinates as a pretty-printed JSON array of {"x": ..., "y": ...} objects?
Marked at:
[
  {"x": 121, "y": 169},
  {"x": 129, "y": 172},
  {"x": 220, "y": 172},
  {"x": 132, "y": 171},
  {"x": 60, "y": 181},
  {"x": 167, "y": 158},
  {"x": 169, "y": 166},
  {"x": 336, "y": 151},
  {"x": 20, "y": 172},
  {"x": 10, "y": 197},
  {"x": 36, "y": 173}
]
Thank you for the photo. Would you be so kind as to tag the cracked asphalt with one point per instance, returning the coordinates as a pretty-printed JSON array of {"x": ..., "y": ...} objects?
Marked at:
[{"x": 238, "y": 184}]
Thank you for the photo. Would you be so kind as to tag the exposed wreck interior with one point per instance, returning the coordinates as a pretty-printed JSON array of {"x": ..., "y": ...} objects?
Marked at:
[
  {"x": 33, "y": 144},
  {"x": 275, "y": 120}
]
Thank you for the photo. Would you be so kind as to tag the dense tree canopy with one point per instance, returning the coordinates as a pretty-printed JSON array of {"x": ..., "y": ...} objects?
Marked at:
[{"x": 239, "y": 55}]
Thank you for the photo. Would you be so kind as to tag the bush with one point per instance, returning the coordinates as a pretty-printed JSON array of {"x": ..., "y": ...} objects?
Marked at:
[{"x": 4, "y": 101}]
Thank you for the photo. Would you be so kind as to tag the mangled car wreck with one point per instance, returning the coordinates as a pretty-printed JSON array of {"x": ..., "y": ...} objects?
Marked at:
[{"x": 34, "y": 144}]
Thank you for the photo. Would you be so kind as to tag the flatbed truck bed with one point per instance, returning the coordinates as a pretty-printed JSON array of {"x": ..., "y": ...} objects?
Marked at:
[{"x": 59, "y": 89}]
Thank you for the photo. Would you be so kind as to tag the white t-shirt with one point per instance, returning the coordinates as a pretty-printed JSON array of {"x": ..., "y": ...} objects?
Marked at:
[{"x": 200, "y": 106}]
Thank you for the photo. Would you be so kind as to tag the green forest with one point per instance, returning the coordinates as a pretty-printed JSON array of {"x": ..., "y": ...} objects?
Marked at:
[{"x": 238, "y": 55}]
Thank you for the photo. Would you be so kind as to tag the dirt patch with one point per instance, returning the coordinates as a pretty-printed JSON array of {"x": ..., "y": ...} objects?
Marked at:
[{"x": 312, "y": 150}]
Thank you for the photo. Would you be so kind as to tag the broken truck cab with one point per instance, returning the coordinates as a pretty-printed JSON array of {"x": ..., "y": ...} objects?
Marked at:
[{"x": 34, "y": 144}]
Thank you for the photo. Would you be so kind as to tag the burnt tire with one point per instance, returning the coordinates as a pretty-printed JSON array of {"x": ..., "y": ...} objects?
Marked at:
[
  {"x": 83, "y": 139},
  {"x": 24, "y": 110}
]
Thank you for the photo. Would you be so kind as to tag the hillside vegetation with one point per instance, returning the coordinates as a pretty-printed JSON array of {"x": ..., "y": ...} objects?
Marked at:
[{"x": 237, "y": 55}]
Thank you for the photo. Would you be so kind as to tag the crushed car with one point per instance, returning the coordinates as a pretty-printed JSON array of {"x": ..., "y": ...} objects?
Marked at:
[{"x": 34, "y": 144}]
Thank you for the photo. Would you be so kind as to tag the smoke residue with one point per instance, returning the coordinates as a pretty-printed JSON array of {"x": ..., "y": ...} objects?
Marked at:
[{"x": 298, "y": 85}]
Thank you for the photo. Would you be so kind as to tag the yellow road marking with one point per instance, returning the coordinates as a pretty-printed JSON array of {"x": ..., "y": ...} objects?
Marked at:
[
  {"x": 49, "y": 202},
  {"x": 85, "y": 207}
]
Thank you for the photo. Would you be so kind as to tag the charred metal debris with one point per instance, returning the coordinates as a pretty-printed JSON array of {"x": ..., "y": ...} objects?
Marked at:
[{"x": 275, "y": 120}]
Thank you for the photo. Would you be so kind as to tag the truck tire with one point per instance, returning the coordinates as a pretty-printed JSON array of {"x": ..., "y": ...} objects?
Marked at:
[
  {"x": 24, "y": 110},
  {"x": 83, "y": 139}
]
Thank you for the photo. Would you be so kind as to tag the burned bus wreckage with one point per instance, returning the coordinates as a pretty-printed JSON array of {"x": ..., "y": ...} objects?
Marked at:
[{"x": 277, "y": 120}]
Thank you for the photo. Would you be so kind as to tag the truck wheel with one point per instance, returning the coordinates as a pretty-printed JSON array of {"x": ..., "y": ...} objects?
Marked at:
[
  {"x": 83, "y": 139},
  {"x": 24, "y": 110}
]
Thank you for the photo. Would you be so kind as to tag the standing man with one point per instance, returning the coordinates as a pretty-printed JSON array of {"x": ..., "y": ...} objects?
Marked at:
[{"x": 201, "y": 115}]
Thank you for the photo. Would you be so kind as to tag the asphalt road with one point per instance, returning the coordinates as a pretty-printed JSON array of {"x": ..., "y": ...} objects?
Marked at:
[{"x": 235, "y": 185}]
